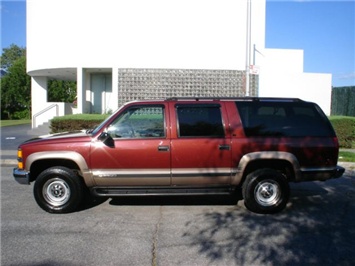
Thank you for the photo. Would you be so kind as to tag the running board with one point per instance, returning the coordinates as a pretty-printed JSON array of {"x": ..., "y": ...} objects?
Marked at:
[{"x": 166, "y": 191}]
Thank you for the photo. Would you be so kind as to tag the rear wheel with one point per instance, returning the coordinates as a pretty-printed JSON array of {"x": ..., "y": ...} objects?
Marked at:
[
  {"x": 58, "y": 190},
  {"x": 265, "y": 191}
]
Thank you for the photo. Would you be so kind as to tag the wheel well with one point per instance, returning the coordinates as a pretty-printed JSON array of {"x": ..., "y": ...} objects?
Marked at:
[
  {"x": 282, "y": 166},
  {"x": 39, "y": 166}
]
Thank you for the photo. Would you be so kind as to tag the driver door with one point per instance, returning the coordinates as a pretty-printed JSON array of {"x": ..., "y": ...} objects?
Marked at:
[{"x": 140, "y": 154}]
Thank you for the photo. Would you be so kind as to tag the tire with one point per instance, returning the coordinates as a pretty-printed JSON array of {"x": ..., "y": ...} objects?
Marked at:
[
  {"x": 58, "y": 190},
  {"x": 265, "y": 191}
]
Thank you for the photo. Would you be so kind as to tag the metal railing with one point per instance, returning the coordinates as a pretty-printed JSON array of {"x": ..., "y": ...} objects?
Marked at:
[{"x": 34, "y": 124}]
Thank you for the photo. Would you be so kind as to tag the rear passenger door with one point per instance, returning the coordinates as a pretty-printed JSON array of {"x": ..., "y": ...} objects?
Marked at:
[{"x": 200, "y": 145}]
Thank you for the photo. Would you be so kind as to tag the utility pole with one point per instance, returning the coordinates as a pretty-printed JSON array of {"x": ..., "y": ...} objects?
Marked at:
[{"x": 248, "y": 50}]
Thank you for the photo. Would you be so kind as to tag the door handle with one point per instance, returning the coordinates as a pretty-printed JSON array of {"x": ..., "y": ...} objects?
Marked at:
[
  {"x": 163, "y": 148},
  {"x": 224, "y": 147}
]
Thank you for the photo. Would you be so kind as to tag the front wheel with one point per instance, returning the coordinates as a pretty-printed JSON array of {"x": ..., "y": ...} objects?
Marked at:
[
  {"x": 58, "y": 190},
  {"x": 265, "y": 191}
]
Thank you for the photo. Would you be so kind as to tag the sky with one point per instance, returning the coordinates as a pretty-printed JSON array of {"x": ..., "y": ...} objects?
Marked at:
[{"x": 324, "y": 30}]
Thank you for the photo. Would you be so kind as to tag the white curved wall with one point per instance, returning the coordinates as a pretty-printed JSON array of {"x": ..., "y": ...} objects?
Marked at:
[{"x": 197, "y": 34}]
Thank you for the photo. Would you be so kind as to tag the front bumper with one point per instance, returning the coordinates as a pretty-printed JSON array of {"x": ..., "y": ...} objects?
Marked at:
[{"x": 21, "y": 176}]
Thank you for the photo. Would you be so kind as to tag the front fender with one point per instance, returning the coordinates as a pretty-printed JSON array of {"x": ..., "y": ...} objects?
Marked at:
[{"x": 67, "y": 155}]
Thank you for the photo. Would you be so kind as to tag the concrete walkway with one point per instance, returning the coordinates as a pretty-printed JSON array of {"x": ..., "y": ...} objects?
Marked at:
[{"x": 8, "y": 157}]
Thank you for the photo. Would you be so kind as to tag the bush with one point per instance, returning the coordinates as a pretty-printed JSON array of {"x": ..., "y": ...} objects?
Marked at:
[
  {"x": 75, "y": 122},
  {"x": 344, "y": 127},
  {"x": 21, "y": 115}
]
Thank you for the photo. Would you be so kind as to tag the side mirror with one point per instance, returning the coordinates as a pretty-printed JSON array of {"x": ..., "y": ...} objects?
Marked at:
[{"x": 107, "y": 139}]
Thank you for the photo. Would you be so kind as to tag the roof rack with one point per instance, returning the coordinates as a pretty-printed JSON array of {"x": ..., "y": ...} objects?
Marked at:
[
  {"x": 193, "y": 98},
  {"x": 261, "y": 99}
]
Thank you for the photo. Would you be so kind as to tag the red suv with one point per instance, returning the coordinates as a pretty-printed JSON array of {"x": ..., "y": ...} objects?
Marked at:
[{"x": 181, "y": 146}]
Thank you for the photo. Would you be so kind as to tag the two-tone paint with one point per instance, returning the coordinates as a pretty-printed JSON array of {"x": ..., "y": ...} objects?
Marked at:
[{"x": 175, "y": 162}]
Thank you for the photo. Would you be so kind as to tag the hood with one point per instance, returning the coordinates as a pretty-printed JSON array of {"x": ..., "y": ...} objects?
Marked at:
[{"x": 62, "y": 135}]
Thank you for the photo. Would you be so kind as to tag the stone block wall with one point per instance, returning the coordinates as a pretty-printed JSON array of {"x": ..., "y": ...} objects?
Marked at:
[{"x": 136, "y": 84}]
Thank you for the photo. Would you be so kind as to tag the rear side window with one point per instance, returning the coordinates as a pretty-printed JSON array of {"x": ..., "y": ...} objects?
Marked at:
[
  {"x": 199, "y": 120},
  {"x": 284, "y": 119}
]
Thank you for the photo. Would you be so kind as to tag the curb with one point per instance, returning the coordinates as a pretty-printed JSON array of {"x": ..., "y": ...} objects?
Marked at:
[
  {"x": 349, "y": 168},
  {"x": 8, "y": 162},
  {"x": 347, "y": 165}
]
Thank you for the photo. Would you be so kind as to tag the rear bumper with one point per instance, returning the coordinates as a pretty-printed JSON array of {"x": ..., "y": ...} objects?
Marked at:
[
  {"x": 21, "y": 176},
  {"x": 321, "y": 174},
  {"x": 339, "y": 171}
]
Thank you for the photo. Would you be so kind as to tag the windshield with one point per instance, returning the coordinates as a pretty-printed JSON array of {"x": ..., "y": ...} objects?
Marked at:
[{"x": 99, "y": 127}]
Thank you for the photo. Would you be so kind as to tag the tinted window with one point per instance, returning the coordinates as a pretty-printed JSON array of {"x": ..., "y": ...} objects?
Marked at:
[
  {"x": 139, "y": 122},
  {"x": 291, "y": 119},
  {"x": 199, "y": 121}
]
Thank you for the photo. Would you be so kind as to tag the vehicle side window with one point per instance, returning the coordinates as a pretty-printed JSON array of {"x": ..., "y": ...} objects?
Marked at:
[
  {"x": 283, "y": 119},
  {"x": 199, "y": 120},
  {"x": 139, "y": 122}
]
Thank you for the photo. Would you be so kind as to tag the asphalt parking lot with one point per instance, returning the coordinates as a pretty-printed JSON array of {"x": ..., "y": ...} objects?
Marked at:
[{"x": 317, "y": 228}]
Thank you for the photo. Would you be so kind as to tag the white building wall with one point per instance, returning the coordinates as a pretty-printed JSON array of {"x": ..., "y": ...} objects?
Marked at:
[
  {"x": 75, "y": 38},
  {"x": 195, "y": 34},
  {"x": 281, "y": 75},
  {"x": 42, "y": 111}
]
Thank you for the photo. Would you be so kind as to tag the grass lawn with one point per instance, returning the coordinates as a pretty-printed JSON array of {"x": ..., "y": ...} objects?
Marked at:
[
  {"x": 5, "y": 123},
  {"x": 82, "y": 117},
  {"x": 347, "y": 156}
]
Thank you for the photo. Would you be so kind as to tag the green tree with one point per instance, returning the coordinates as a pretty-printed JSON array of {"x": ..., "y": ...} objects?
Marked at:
[
  {"x": 10, "y": 55},
  {"x": 16, "y": 91},
  {"x": 16, "y": 86},
  {"x": 61, "y": 91}
]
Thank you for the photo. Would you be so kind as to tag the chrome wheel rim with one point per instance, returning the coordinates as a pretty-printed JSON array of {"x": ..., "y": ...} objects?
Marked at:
[
  {"x": 56, "y": 192},
  {"x": 267, "y": 193}
]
